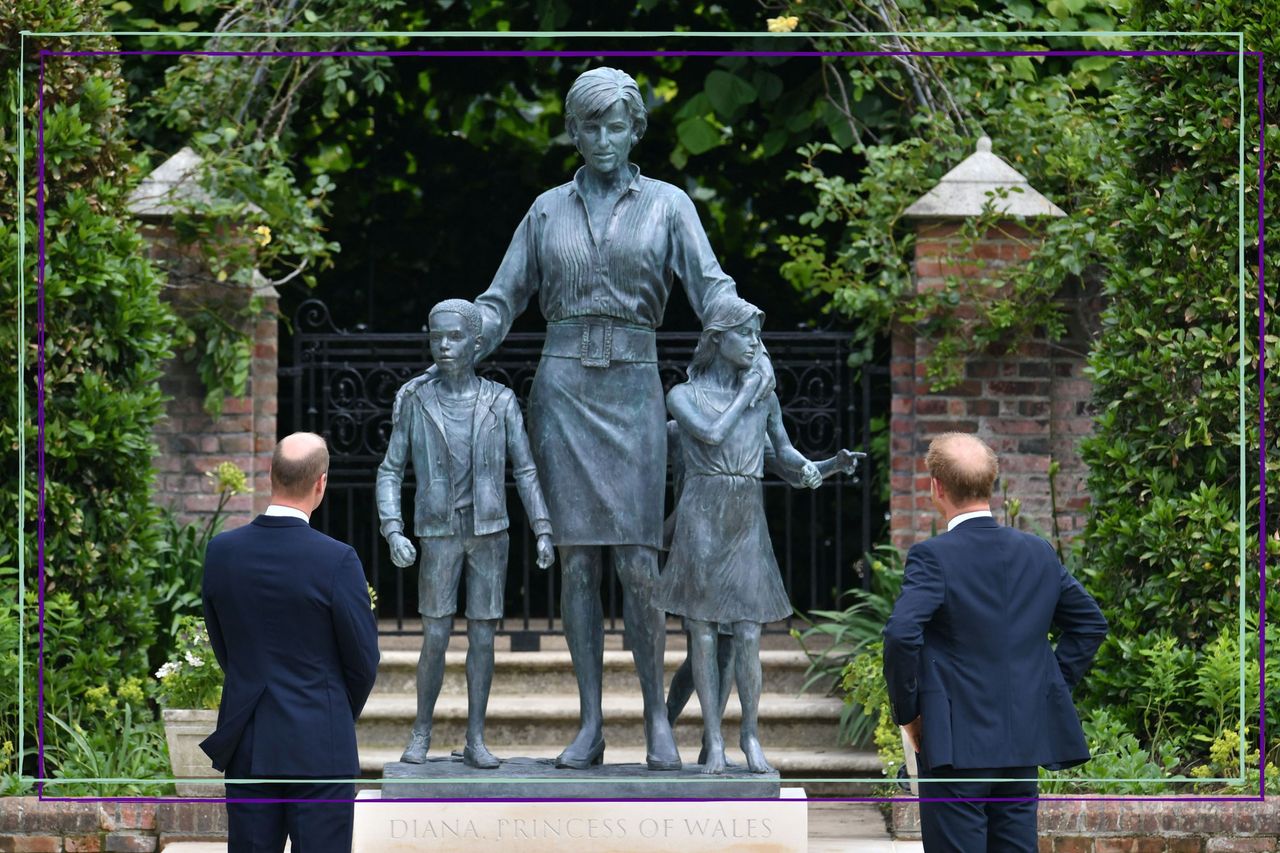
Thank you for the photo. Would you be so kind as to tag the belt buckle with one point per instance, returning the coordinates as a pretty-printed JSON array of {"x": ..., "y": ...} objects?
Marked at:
[{"x": 597, "y": 343}]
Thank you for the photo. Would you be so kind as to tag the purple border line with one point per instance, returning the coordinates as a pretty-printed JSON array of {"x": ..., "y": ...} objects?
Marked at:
[
  {"x": 40, "y": 321},
  {"x": 1262, "y": 435},
  {"x": 40, "y": 497},
  {"x": 635, "y": 54}
]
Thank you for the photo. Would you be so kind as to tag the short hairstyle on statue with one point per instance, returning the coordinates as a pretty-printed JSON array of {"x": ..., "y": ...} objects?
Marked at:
[
  {"x": 964, "y": 476},
  {"x": 468, "y": 310},
  {"x": 293, "y": 476},
  {"x": 597, "y": 90}
]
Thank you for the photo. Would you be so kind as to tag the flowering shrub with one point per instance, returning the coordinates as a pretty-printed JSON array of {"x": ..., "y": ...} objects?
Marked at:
[{"x": 191, "y": 678}]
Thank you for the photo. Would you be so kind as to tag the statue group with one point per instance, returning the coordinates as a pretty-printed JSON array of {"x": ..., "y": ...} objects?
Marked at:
[{"x": 601, "y": 253}]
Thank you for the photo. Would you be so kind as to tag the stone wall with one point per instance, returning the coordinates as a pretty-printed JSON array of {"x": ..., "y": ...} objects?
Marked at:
[
  {"x": 190, "y": 441},
  {"x": 30, "y": 825},
  {"x": 1092, "y": 825},
  {"x": 1032, "y": 405}
]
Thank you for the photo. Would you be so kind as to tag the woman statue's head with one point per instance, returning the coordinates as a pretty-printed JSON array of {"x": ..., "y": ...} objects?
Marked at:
[
  {"x": 595, "y": 92},
  {"x": 728, "y": 315}
]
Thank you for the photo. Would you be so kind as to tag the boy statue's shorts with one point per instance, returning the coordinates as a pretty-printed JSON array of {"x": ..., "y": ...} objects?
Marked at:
[{"x": 440, "y": 571}]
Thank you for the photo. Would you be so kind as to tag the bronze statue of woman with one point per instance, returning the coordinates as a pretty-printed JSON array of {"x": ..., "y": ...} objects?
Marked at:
[{"x": 601, "y": 253}]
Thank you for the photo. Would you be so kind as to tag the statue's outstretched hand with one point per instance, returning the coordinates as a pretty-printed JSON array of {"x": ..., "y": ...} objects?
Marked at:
[
  {"x": 847, "y": 461},
  {"x": 546, "y": 552},
  {"x": 403, "y": 553}
]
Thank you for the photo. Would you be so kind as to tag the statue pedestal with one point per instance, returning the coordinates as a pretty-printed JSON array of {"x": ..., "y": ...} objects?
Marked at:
[
  {"x": 538, "y": 778},
  {"x": 385, "y": 825}
]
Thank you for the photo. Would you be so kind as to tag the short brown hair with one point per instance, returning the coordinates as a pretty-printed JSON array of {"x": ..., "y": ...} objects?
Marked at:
[
  {"x": 293, "y": 476},
  {"x": 970, "y": 477}
]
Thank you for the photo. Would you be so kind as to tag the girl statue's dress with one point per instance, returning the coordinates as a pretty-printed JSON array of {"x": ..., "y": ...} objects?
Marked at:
[{"x": 721, "y": 566}]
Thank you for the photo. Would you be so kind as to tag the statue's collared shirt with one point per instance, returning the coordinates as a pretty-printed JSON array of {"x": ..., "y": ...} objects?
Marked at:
[{"x": 653, "y": 236}]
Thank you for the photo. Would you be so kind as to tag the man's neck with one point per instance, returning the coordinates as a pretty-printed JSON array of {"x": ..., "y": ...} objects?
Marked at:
[
  {"x": 956, "y": 512},
  {"x": 304, "y": 507}
]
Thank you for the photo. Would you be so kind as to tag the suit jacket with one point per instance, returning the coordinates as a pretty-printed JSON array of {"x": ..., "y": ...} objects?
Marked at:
[
  {"x": 288, "y": 615},
  {"x": 418, "y": 434},
  {"x": 967, "y": 650}
]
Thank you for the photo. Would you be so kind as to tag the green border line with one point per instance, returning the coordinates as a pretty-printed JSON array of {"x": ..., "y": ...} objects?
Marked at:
[{"x": 1240, "y": 54}]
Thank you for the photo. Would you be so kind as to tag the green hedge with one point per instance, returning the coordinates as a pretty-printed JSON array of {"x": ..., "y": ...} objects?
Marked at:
[
  {"x": 107, "y": 335},
  {"x": 1162, "y": 547}
]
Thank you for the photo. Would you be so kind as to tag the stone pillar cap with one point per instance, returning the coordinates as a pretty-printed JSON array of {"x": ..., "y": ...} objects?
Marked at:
[
  {"x": 173, "y": 180},
  {"x": 965, "y": 190}
]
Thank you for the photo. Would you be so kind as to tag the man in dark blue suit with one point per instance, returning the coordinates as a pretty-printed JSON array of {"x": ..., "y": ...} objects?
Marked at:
[
  {"x": 290, "y": 620},
  {"x": 972, "y": 677}
]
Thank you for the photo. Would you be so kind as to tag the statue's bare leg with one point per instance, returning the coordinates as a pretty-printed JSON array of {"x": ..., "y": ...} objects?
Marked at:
[
  {"x": 479, "y": 679},
  {"x": 583, "y": 615},
  {"x": 637, "y": 569},
  {"x": 435, "y": 641},
  {"x": 746, "y": 639},
  {"x": 706, "y": 679},
  {"x": 682, "y": 687}
]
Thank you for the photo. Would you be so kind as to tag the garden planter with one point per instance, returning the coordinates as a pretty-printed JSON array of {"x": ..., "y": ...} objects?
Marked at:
[{"x": 184, "y": 728}]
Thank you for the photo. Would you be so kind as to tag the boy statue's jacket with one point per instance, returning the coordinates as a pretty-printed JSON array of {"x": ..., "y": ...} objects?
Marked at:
[{"x": 418, "y": 434}]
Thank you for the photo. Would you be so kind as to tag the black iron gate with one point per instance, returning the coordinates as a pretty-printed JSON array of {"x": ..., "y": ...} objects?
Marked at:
[{"x": 342, "y": 383}]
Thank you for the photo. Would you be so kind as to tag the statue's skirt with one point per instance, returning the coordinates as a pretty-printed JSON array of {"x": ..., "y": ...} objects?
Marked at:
[{"x": 599, "y": 438}]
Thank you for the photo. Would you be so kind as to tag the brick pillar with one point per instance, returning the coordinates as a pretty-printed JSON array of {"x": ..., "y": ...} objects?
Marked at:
[
  {"x": 1031, "y": 405},
  {"x": 190, "y": 441}
]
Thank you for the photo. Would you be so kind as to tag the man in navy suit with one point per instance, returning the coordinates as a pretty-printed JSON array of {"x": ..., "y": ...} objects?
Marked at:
[
  {"x": 973, "y": 679},
  {"x": 290, "y": 621}
]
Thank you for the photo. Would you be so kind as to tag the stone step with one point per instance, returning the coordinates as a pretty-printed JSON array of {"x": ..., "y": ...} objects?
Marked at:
[
  {"x": 785, "y": 720},
  {"x": 551, "y": 671}
]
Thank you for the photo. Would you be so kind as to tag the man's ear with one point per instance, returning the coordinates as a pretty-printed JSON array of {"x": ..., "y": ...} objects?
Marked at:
[{"x": 479, "y": 341}]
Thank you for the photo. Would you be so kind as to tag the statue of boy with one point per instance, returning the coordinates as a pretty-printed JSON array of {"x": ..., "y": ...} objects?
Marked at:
[{"x": 458, "y": 430}]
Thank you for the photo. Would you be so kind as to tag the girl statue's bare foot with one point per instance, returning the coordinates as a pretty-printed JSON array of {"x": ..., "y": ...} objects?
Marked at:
[
  {"x": 714, "y": 761},
  {"x": 729, "y": 764},
  {"x": 755, "y": 755}
]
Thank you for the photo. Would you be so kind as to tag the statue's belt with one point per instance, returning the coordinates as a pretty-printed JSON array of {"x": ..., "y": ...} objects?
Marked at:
[{"x": 600, "y": 341}]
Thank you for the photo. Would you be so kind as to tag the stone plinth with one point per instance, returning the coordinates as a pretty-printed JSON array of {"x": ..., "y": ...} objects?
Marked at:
[
  {"x": 539, "y": 778},
  {"x": 400, "y": 826}
]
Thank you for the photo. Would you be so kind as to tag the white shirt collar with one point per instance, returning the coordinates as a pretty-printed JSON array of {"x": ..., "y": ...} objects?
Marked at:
[
  {"x": 287, "y": 511},
  {"x": 965, "y": 516}
]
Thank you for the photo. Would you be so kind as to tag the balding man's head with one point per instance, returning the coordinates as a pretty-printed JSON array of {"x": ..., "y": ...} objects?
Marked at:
[
  {"x": 297, "y": 464},
  {"x": 964, "y": 465}
]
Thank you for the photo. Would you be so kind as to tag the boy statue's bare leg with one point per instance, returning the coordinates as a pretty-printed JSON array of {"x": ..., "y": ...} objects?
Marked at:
[
  {"x": 479, "y": 679},
  {"x": 435, "y": 641}
]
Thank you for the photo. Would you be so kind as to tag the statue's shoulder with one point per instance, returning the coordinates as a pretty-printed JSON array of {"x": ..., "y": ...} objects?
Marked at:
[
  {"x": 552, "y": 197},
  {"x": 669, "y": 196}
]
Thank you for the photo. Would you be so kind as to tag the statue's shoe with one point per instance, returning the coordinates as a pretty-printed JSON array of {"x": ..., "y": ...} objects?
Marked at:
[
  {"x": 662, "y": 753},
  {"x": 592, "y": 758},
  {"x": 416, "y": 751},
  {"x": 479, "y": 757}
]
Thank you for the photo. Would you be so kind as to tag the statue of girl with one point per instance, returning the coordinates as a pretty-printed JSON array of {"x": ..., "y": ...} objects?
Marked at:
[{"x": 721, "y": 571}]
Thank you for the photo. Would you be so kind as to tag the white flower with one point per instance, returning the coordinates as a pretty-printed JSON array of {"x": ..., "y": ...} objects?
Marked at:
[
  {"x": 166, "y": 670},
  {"x": 193, "y": 659}
]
